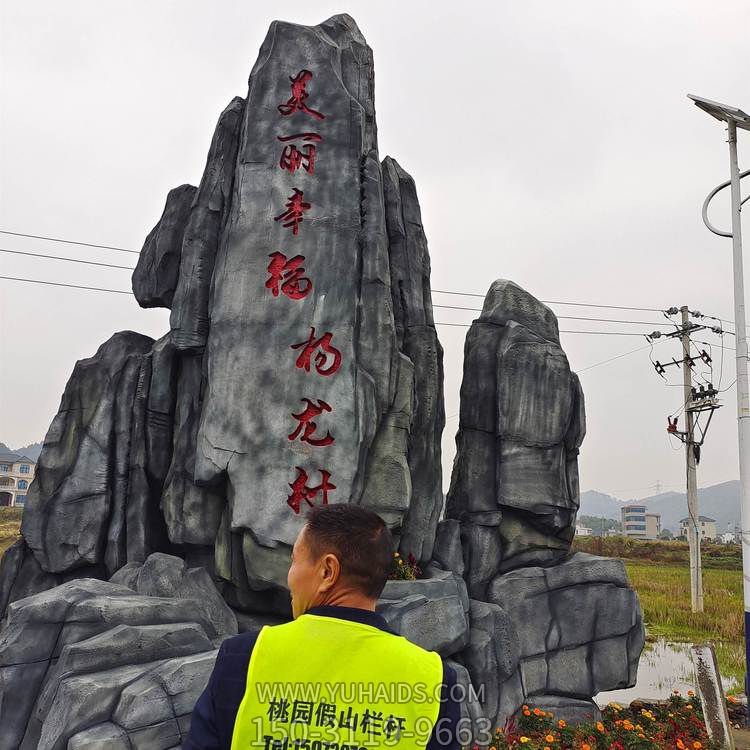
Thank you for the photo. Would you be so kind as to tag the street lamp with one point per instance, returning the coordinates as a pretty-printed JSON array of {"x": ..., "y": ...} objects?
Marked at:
[{"x": 736, "y": 118}]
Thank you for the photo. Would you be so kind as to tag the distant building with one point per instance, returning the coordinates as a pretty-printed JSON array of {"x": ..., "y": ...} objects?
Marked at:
[
  {"x": 706, "y": 526},
  {"x": 729, "y": 537},
  {"x": 16, "y": 474},
  {"x": 638, "y": 523},
  {"x": 582, "y": 530}
]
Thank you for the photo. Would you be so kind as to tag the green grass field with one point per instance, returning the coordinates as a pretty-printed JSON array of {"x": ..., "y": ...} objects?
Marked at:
[
  {"x": 660, "y": 574},
  {"x": 10, "y": 524}
]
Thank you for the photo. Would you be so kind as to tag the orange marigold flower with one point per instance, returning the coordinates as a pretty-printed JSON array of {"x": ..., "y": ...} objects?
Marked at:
[
  {"x": 538, "y": 712},
  {"x": 690, "y": 693},
  {"x": 697, "y": 745},
  {"x": 680, "y": 744},
  {"x": 550, "y": 738},
  {"x": 527, "y": 712},
  {"x": 525, "y": 707},
  {"x": 688, "y": 707},
  {"x": 585, "y": 746},
  {"x": 600, "y": 726},
  {"x": 731, "y": 699},
  {"x": 547, "y": 748},
  {"x": 561, "y": 724}
]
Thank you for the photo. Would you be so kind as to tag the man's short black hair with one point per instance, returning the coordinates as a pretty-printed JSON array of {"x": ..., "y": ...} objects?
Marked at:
[{"x": 360, "y": 540}]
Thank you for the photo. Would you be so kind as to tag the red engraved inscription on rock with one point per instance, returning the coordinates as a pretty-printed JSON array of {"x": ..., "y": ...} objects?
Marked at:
[
  {"x": 302, "y": 493},
  {"x": 296, "y": 102},
  {"x": 287, "y": 276},
  {"x": 295, "y": 209},
  {"x": 327, "y": 357},
  {"x": 307, "y": 427},
  {"x": 293, "y": 158}
]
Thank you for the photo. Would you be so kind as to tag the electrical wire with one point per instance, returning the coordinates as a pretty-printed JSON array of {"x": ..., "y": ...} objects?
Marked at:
[
  {"x": 612, "y": 359},
  {"x": 122, "y": 291},
  {"x": 557, "y": 302},
  {"x": 567, "y": 317},
  {"x": 60, "y": 257},
  {"x": 436, "y": 291},
  {"x": 59, "y": 283},
  {"x": 68, "y": 242}
]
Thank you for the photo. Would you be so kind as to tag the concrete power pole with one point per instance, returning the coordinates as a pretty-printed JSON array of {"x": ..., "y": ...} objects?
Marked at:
[{"x": 694, "y": 533}]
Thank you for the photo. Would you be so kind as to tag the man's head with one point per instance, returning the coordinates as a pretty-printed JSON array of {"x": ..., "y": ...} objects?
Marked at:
[{"x": 342, "y": 556}]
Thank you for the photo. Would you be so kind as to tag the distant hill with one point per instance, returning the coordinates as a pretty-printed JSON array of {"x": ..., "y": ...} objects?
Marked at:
[
  {"x": 31, "y": 451},
  {"x": 720, "y": 502}
]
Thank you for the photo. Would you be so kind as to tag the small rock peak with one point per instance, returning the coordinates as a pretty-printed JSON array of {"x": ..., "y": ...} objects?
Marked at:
[{"x": 506, "y": 301}]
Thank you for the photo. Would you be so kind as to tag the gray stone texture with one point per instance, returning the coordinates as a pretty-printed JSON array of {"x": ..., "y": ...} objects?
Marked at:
[
  {"x": 579, "y": 626},
  {"x": 521, "y": 425},
  {"x": 417, "y": 339},
  {"x": 168, "y": 576},
  {"x": 431, "y": 612},
  {"x": 89, "y": 652},
  {"x": 183, "y": 445},
  {"x": 158, "y": 268},
  {"x": 82, "y": 472},
  {"x": 569, "y": 625}
]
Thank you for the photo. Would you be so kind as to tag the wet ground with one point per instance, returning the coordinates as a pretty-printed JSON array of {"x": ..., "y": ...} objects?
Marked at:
[{"x": 665, "y": 666}]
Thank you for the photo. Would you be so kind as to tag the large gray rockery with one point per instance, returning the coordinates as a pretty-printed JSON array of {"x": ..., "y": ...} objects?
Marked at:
[{"x": 302, "y": 366}]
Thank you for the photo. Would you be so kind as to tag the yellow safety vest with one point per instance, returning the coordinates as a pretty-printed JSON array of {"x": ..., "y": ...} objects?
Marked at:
[{"x": 324, "y": 683}]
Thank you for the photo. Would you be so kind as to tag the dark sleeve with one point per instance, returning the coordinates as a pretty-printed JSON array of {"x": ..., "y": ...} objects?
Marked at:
[
  {"x": 212, "y": 722},
  {"x": 445, "y": 732},
  {"x": 204, "y": 734}
]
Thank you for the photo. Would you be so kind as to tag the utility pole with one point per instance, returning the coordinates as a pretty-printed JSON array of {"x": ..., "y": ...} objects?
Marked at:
[
  {"x": 696, "y": 401},
  {"x": 694, "y": 532}
]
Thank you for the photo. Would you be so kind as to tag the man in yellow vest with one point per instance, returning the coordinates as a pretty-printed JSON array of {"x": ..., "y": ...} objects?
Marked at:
[{"x": 335, "y": 677}]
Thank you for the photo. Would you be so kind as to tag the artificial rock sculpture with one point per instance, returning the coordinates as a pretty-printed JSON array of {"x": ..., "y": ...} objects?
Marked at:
[{"x": 302, "y": 366}]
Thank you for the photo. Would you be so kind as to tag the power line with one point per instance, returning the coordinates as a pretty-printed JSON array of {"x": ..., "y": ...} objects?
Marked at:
[
  {"x": 571, "y": 317},
  {"x": 612, "y": 359},
  {"x": 436, "y": 291},
  {"x": 122, "y": 291},
  {"x": 59, "y": 283},
  {"x": 69, "y": 260},
  {"x": 68, "y": 242},
  {"x": 553, "y": 302},
  {"x": 562, "y": 330}
]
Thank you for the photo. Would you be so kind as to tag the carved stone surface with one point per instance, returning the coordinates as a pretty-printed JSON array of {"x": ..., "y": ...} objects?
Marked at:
[
  {"x": 79, "y": 654},
  {"x": 158, "y": 268},
  {"x": 521, "y": 425},
  {"x": 81, "y": 477},
  {"x": 579, "y": 625},
  {"x": 431, "y": 612},
  {"x": 572, "y": 623}
]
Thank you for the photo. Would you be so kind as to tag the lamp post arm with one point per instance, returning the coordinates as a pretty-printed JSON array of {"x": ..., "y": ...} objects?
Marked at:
[{"x": 710, "y": 197}]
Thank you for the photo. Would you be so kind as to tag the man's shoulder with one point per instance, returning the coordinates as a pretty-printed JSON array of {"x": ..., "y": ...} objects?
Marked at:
[{"x": 239, "y": 645}]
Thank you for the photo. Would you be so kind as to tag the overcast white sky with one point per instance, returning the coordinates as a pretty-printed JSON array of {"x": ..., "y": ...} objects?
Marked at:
[{"x": 552, "y": 144}]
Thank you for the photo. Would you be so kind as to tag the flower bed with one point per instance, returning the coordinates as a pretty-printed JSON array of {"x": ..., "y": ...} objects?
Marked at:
[{"x": 677, "y": 723}]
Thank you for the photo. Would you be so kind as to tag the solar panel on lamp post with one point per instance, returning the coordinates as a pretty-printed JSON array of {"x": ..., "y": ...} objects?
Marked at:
[{"x": 736, "y": 118}]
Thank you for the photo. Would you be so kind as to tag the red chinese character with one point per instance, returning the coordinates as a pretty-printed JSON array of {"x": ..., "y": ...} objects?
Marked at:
[
  {"x": 301, "y": 492},
  {"x": 296, "y": 102},
  {"x": 295, "y": 208},
  {"x": 324, "y": 342},
  {"x": 306, "y": 423},
  {"x": 287, "y": 274},
  {"x": 293, "y": 158}
]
